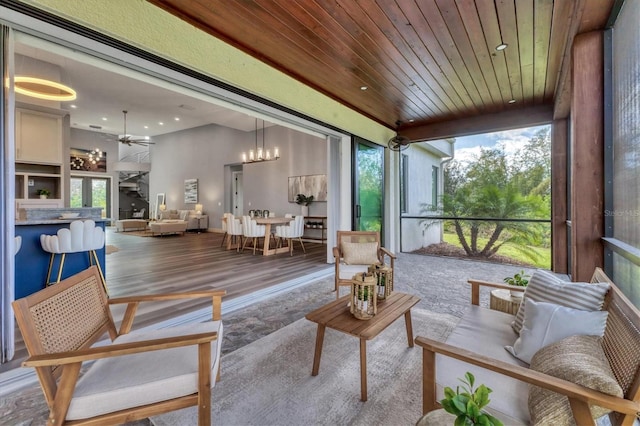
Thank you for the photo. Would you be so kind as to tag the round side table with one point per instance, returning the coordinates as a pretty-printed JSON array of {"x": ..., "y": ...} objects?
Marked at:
[{"x": 501, "y": 300}]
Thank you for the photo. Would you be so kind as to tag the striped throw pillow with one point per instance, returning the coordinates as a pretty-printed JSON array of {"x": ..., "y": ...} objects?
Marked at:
[{"x": 544, "y": 286}]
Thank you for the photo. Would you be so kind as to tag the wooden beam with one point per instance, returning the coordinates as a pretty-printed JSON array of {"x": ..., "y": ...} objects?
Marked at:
[
  {"x": 559, "y": 253},
  {"x": 512, "y": 119},
  {"x": 587, "y": 155}
]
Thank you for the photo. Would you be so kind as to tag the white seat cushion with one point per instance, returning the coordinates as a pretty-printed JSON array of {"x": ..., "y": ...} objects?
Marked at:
[
  {"x": 486, "y": 332},
  {"x": 348, "y": 271},
  {"x": 134, "y": 380}
]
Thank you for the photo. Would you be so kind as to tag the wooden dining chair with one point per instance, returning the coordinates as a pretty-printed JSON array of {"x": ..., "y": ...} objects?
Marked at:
[
  {"x": 355, "y": 252},
  {"x": 140, "y": 374}
]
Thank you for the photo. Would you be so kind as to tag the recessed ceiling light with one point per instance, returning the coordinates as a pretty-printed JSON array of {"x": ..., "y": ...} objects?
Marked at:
[
  {"x": 176, "y": 118},
  {"x": 161, "y": 123},
  {"x": 73, "y": 106},
  {"x": 146, "y": 138},
  {"x": 501, "y": 46},
  {"x": 146, "y": 127},
  {"x": 104, "y": 118},
  {"x": 512, "y": 101},
  {"x": 411, "y": 120},
  {"x": 363, "y": 87}
]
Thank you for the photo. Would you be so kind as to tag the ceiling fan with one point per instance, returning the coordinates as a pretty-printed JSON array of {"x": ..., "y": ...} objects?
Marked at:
[
  {"x": 129, "y": 139},
  {"x": 398, "y": 142}
]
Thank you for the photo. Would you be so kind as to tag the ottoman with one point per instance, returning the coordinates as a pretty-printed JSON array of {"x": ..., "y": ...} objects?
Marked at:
[
  {"x": 168, "y": 227},
  {"x": 125, "y": 225}
]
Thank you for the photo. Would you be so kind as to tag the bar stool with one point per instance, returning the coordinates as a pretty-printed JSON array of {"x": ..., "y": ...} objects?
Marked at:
[
  {"x": 18, "y": 243},
  {"x": 79, "y": 237}
]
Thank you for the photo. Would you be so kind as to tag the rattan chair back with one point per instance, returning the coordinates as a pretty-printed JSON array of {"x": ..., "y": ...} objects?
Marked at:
[
  {"x": 67, "y": 316},
  {"x": 621, "y": 341}
]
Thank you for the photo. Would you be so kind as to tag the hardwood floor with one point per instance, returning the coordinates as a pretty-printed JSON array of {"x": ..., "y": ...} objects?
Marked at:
[
  {"x": 144, "y": 265},
  {"x": 178, "y": 263}
]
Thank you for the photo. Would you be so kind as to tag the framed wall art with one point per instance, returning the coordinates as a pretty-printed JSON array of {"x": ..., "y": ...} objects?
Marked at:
[
  {"x": 190, "y": 191},
  {"x": 315, "y": 185}
]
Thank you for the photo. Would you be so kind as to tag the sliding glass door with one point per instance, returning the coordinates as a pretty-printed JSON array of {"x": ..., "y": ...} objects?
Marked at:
[
  {"x": 368, "y": 181},
  {"x": 89, "y": 191}
]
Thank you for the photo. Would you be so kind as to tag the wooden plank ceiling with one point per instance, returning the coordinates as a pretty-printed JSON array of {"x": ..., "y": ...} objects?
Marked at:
[{"x": 422, "y": 62}]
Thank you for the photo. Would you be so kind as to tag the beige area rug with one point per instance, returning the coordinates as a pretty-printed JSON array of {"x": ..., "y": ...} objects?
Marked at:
[
  {"x": 269, "y": 382},
  {"x": 110, "y": 249}
]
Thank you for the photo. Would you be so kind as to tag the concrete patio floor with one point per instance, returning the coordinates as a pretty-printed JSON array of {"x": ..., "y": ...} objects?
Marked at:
[{"x": 440, "y": 283}]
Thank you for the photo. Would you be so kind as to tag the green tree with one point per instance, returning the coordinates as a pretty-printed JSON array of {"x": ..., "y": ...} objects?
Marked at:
[{"x": 497, "y": 186}]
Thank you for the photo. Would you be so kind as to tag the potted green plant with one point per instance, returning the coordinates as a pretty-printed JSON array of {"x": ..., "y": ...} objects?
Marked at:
[
  {"x": 521, "y": 279},
  {"x": 467, "y": 403},
  {"x": 304, "y": 201},
  {"x": 43, "y": 193}
]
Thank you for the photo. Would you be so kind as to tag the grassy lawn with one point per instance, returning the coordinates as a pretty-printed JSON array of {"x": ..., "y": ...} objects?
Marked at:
[{"x": 544, "y": 254}]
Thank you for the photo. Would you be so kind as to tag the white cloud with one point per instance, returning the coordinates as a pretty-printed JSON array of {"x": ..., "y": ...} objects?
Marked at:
[{"x": 510, "y": 140}]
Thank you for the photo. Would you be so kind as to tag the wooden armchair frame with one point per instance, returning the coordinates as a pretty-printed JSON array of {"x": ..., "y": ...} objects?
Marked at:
[
  {"x": 58, "y": 346},
  {"x": 621, "y": 344},
  {"x": 356, "y": 237}
]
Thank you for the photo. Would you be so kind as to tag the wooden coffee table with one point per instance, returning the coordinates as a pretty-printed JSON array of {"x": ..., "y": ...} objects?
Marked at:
[{"x": 336, "y": 315}]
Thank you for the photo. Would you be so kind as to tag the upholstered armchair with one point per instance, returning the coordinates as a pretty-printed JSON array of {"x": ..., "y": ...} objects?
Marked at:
[
  {"x": 355, "y": 252},
  {"x": 139, "y": 374}
]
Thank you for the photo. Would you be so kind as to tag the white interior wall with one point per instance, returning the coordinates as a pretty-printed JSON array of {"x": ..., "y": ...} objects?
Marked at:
[{"x": 203, "y": 152}]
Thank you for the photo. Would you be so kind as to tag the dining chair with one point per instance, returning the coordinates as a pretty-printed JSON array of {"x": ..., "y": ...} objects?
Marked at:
[
  {"x": 251, "y": 230},
  {"x": 234, "y": 231},
  {"x": 137, "y": 374},
  {"x": 225, "y": 228},
  {"x": 295, "y": 229}
]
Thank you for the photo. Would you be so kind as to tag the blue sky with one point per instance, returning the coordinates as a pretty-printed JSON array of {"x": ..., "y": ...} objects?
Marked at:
[{"x": 467, "y": 147}]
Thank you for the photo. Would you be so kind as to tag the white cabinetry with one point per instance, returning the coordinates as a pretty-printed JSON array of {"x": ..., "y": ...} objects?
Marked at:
[{"x": 38, "y": 137}]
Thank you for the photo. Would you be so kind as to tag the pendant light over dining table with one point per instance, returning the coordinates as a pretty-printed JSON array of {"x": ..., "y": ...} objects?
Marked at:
[{"x": 260, "y": 153}]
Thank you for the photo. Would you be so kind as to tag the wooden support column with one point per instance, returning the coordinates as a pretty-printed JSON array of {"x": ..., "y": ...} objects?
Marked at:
[
  {"x": 587, "y": 155},
  {"x": 559, "y": 252}
]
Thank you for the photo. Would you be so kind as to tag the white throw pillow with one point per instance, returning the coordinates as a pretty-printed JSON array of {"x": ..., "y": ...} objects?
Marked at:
[
  {"x": 544, "y": 286},
  {"x": 547, "y": 323}
]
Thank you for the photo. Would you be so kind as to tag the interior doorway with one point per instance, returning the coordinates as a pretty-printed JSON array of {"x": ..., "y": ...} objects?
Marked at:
[
  {"x": 237, "y": 206},
  {"x": 90, "y": 191}
]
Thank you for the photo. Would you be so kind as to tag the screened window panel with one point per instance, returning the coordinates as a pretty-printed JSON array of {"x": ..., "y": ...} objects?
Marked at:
[{"x": 626, "y": 144}]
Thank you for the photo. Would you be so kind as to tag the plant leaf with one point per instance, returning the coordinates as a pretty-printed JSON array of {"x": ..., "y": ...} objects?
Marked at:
[
  {"x": 460, "y": 402},
  {"x": 482, "y": 396},
  {"x": 472, "y": 410},
  {"x": 493, "y": 421},
  {"x": 449, "y": 393},
  {"x": 470, "y": 379},
  {"x": 449, "y": 407},
  {"x": 461, "y": 420}
]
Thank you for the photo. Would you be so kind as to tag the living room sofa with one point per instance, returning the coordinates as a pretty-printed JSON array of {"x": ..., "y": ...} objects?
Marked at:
[
  {"x": 524, "y": 393},
  {"x": 194, "y": 221}
]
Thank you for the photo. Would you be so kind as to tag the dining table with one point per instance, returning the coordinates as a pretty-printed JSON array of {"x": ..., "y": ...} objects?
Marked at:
[{"x": 267, "y": 222}]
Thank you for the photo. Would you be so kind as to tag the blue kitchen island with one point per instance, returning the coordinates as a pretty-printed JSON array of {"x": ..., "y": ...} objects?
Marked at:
[{"x": 32, "y": 261}]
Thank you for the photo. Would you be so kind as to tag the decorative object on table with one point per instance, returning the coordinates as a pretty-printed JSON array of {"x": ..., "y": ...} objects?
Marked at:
[
  {"x": 363, "y": 296},
  {"x": 384, "y": 279},
  {"x": 190, "y": 191},
  {"x": 304, "y": 201},
  {"x": 521, "y": 279},
  {"x": 467, "y": 403},
  {"x": 43, "y": 193},
  {"x": 265, "y": 213}
]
